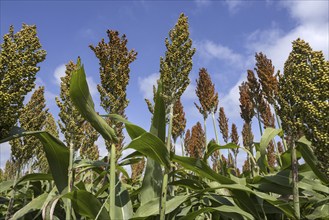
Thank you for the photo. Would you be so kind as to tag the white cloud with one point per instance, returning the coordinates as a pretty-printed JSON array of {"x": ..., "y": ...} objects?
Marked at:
[
  {"x": 5, "y": 152},
  {"x": 59, "y": 72},
  {"x": 233, "y": 5},
  {"x": 92, "y": 86},
  {"x": 202, "y": 3},
  {"x": 308, "y": 11},
  {"x": 88, "y": 33},
  {"x": 50, "y": 98},
  {"x": 231, "y": 103},
  {"x": 146, "y": 85},
  {"x": 312, "y": 26},
  {"x": 209, "y": 50},
  {"x": 189, "y": 92}
]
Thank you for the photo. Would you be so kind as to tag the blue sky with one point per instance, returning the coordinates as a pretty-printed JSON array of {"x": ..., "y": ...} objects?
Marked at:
[{"x": 226, "y": 35}]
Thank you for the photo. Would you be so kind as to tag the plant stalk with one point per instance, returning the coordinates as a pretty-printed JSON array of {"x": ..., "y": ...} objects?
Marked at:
[
  {"x": 295, "y": 180},
  {"x": 112, "y": 182},
  {"x": 70, "y": 182},
  {"x": 215, "y": 129},
  {"x": 259, "y": 124},
  {"x": 165, "y": 176},
  {"x": 205, "y": 133},
  {"x": 279, "y": 124}
]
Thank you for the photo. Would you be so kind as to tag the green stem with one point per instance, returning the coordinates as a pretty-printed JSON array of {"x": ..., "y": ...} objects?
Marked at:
[
  {"x": 214, "y": 123},
  {"x": 112, "y": 182},
  {"x": 259, "y": 124},
  {"x": 250, "y": 155},
  {"x": 164, "y": 195},
  {"x": 295, "y": 180},
  {"x": 70, "y": 182},
  {"x": 205, "y": 132},
  {"x": 279, "y": 124},
  {"x": 253, "y": 165},
  {"x": 165, "y": 176},
  {"x": 277, "y": 153},
  {"x": 215, "y": 130}
]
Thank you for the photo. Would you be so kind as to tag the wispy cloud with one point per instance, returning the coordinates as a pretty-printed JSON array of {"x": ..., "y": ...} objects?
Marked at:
[
  {"x": 146, "y": 85},
  {"x": 5, "y": 152},
  {"x": 233, "y": 5},
  {"x": 306, "y": 12},
  {"x": 230, "y": 102},
  {"x": 189, "y": 92},
  {"x": 59, "y": 73},
  {"x": 88, "y": 33},
  {"x": 210, "y": 50},
  {"x": 202, "y": 3}
]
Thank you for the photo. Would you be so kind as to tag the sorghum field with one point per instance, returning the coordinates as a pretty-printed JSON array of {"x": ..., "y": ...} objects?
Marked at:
[{"x": 285, "y": 174}]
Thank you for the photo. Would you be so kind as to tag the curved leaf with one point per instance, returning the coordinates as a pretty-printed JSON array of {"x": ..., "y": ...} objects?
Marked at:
[
  {"x": 133, "y": 130},
  {"x": 151, "y": 146},
  {"x": 268, "y": 135},
  {"x": 58, "y": 158},
  {"x": 35, "y": 177},
  {"x": 80, "y": 96},
  {"x": 224, "y": 209},
  {"x": 213, "y": 147},
  {"x": 200, "y": 167},
  {"x": 57, "y": 153}
]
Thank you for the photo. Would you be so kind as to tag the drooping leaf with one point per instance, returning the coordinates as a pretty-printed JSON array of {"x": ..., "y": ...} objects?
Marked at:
[
  {"x": 57, "y": 153},
  {"x": 80, "y": 95},
  {"x": 200, "y": 167},
  {"x": 212, "y": 147},
  {"x": 130, "y": 161},
  {"x": 223, "y": 210},
  {"x": 151, "y": 146},
  {"x": 133, "y": 130},
  {"x": 35, "y": 177},
  {"x": 133, "y": 155}
]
